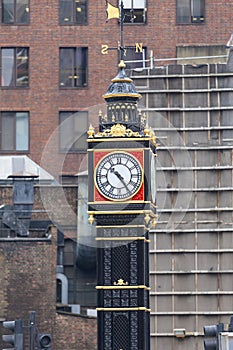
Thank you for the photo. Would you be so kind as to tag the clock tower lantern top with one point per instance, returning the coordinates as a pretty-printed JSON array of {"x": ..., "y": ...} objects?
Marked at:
[
  {"x": 122, "y": 87},
  {"x": 121, "y": 98}
]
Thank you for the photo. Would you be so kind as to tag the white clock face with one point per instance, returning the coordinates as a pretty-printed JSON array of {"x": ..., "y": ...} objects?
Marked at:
[{"x": 118, "y": 176}]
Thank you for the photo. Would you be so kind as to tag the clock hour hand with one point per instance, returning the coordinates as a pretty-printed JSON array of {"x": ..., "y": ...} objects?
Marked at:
[{"x": 115, "y": 172}]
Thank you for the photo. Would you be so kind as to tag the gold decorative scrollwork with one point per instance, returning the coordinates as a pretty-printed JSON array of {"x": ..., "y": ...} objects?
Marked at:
[
  {"x": 118, "y": 130},
  {"x": 120, "y": 282}
]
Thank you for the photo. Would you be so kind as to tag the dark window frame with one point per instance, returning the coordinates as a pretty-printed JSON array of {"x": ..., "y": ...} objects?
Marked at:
[
  {"x": 73, "y": 21},
  {"x": 136, "y": 65},
  {"x": 192, "y": 17},
  {"x": 141, "y": 13},
  {"x": 15, "y": 69},
  {"x": 15, "y": 21},
  {"x": 13, "y": 114},
  {"x": 63, "y": 115},
  {"x": 75, "y": 70}
]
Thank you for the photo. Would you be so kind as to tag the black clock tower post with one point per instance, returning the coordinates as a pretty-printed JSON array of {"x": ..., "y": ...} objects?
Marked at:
[{"x": 121, "y": 203}]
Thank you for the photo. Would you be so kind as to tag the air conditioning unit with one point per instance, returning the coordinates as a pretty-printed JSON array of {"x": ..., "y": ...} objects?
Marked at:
[
  {"x": 91, "y": 312},
  {"x": 75, "y": 309}
]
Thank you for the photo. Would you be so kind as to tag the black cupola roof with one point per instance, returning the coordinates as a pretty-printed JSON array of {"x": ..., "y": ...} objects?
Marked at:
[
  {"x": 122, "y": 87},
  {"x": 121, "y": 98}
]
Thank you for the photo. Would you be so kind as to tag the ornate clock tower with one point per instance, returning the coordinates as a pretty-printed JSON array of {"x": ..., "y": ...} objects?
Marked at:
[{"x": 121, "y": 202}]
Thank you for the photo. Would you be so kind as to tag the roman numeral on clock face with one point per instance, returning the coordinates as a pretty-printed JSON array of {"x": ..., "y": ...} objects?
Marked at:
[
  {"x": 119, "y": 191},
  {"x": 118, "y": 160}
]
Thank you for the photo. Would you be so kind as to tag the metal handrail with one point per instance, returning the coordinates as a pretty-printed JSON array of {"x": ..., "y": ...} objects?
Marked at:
[{"x": 150, "y": 61}]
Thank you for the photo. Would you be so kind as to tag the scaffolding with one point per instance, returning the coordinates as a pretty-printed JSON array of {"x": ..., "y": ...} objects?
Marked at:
[
  {"x": 190, "y": 109},
  {"x": 151, "y": 62}
]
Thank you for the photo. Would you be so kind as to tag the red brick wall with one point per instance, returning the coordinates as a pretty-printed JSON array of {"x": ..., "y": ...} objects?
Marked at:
[
  {"x": 30, "y": 269},
  {"x": 28, "y": 277},
  {"x": 80, "y": 333},
  {"x": 44, "y": 36}
]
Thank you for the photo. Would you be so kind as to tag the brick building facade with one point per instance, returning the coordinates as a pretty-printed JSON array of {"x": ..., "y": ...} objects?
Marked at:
[
  {"x": 28, "y": 282},
  {"x": 28, "y": 270},
  {"x": 40, "y": 89}
]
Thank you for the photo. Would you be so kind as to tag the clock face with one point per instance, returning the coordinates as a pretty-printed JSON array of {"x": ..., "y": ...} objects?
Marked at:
[{"x": 118, "y": 176}]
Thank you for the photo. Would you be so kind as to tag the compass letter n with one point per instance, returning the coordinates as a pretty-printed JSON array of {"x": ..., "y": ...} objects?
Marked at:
[{"x": 138, "y": 47}]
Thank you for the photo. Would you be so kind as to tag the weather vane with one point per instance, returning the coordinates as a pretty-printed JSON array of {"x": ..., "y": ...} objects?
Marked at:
[{"x": 119, "y": 13}]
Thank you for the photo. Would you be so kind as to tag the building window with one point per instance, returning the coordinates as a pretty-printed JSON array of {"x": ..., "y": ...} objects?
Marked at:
[
  {"x": 73, "y": 67},
  {"x": 73, "y": 12},
  {"x": 14, "y": 131},
  {"x": 15, "y": 67},
  {"x": 135, "y": 11},
  {"x": 73, "y": 131},
  {"x": 15, "y": 11},
  {"x": 190, "y": 11},
  {"x": 135, "y": 58}
]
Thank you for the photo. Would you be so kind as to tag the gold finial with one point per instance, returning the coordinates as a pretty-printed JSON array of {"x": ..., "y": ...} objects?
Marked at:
[
  {"x": 147, "y": 218},
  {"x": 146, "y": 131},
  {"x": 91, "y": 131},
  {"x": 91, "y": 219},
  {"x": 122, "y": 64}
]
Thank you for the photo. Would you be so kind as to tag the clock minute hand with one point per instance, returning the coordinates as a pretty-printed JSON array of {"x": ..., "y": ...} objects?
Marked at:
[{"x": 115, "y": 172}]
